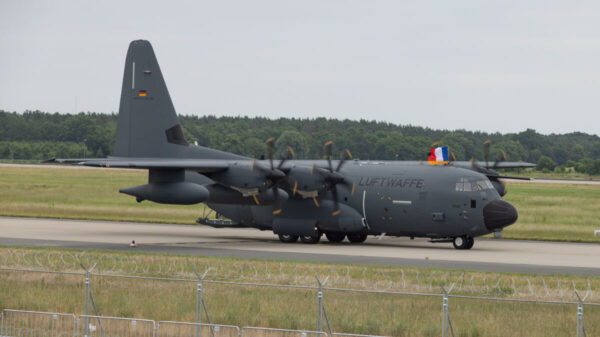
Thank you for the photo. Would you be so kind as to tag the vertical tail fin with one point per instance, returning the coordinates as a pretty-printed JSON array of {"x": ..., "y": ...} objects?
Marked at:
[{"x": 148, "y": 125}]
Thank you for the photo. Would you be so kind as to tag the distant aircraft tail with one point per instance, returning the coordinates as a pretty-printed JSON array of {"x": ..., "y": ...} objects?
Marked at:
[{"x": 148, "y": 126}]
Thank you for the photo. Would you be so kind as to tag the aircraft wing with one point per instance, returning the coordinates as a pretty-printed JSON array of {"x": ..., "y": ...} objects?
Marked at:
[
  {"x": 198, "y": 165},
  {"x": 500, "y": 165}
]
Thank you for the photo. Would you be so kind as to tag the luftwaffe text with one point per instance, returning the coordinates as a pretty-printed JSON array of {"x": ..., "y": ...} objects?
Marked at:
[{"x": 391, "y": 182}]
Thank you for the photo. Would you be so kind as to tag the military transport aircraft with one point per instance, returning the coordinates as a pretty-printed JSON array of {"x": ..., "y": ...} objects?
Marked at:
[{"x": 303, "y": 199}]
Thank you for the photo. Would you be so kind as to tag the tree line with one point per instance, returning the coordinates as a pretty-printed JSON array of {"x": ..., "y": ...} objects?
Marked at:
[{"x": 41, "y": 135}]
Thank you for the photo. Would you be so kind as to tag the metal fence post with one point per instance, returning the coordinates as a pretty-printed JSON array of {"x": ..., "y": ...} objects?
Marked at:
[
  {"x": 444, "y": 313},
  {"x": 86, "y": 302},
  {"x": 200, "y": 301},
  {"x": 88, "y": 292},
  {"x": 446, "y": 321},
  {"x": 580, "y": 325},
  {"x": 321, "y": 309}
]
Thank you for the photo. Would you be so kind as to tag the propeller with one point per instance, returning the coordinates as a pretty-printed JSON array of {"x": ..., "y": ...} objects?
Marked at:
[
  {"x": 491, "y": 173},
  {"x": 332, "y": 177},
  {"x": 274, "y": 176},
  {"x": 486, "y": 154}
]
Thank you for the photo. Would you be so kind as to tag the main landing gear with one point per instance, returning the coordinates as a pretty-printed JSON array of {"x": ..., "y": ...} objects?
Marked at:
[
  {"x": 331, "y": 237},
  {"x": 357, "y": 237},
  {"x": 463, "y": 242},
  {"x": 335, "y": 237},
  {"x": 288, "y": 238},
  {"x": 312, "y": 238}
]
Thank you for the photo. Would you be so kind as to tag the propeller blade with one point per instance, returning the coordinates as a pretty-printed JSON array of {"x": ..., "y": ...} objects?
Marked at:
[
  {"x": 295, "y": 189},
  {"x": 270, "y": 150},
  {"x": 328, "y": 154},
  {"x": 452, "y": 156},
  {"x": 316, "y": 202},
  {"x": 336, "y": 205},
  {"x": 288, "y": 154},
  {"x": 353, "y": 189},
  {"x": 346, "y": 155},
  {"x": 277, "y": 200},
  {"x": 486, "y": 152},
  {"x": 500, "y": 158}
]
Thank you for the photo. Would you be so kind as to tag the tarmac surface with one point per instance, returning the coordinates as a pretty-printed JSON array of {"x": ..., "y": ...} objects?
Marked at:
[{"x": 535, "y": 257}]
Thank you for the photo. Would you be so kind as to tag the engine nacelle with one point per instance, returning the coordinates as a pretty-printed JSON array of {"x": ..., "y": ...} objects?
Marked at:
[
  {"x": 499, "y": 186},
  {"x": 177, "y": 193}
]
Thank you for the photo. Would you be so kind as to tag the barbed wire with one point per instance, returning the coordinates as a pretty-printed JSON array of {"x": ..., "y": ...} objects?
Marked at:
[{"x": 299, "y": 274}]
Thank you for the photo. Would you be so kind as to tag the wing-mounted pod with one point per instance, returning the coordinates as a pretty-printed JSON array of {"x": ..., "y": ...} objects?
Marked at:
[{"x": 168, "y": 187}]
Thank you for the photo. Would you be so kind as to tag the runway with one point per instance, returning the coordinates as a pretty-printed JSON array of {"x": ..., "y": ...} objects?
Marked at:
[{"x": 535, "y": 257}]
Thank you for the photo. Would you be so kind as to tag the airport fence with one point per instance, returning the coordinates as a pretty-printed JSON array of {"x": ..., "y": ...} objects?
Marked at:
[
  {"x": 17, "y": 323},
  {"x": 303, "y": 274},
  {"x": 322, "y": 308}
]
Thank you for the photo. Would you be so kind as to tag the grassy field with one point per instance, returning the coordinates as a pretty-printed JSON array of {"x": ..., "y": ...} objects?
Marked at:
[
  {"x": 246, "y": 305},
  {"x": 565, "y": 212},
  {"x": 82, "y": 193},
  {"x": 570, "y": 175}
]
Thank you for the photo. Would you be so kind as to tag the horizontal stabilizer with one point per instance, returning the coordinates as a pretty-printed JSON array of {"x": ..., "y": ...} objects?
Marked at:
[{"x": 198, "y": 165}]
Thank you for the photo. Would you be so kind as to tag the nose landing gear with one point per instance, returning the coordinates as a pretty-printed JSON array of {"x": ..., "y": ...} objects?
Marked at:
[{"x": 463, "y": 242}]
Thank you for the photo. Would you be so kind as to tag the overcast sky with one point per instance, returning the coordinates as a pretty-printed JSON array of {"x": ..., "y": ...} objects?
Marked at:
[{"x": 479, "y": 65}]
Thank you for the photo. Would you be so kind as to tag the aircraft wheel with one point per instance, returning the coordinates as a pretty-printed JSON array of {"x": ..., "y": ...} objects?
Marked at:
[
  {"x": 471, "y": 243},
  {"x": 357, "y": 237},
  {"x": 314, "y": 238},
  {"x": 461, "y": 242},
  {"x": 335, "y": 237},
  {"x": 288, "y": 238}
]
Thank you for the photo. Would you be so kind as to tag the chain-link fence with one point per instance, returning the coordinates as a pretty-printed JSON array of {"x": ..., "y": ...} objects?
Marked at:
[
  {"x": 301, "y": 307},
  {"x": 369, "y": 278}
]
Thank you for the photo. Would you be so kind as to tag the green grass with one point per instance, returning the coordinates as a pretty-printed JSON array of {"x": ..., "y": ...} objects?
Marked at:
[
  {"x": 350, "y": 312},
  {"x": 83, "y": 194},
  {"x": 565, "y": 212},
  {"x": 571, "y": 174}
]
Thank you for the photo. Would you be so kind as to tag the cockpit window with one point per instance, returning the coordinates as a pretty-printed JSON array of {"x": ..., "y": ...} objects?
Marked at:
[{"x": 472, "y": 186}]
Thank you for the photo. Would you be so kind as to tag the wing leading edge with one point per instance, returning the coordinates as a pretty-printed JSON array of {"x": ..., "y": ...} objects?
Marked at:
[{"x": 198, "y": 165}]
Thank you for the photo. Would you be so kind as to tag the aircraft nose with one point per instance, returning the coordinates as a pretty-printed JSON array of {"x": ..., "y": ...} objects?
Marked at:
[{"x": 498, "y": 214}]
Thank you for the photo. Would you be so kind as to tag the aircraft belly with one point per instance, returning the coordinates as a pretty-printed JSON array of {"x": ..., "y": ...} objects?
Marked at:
[{"x": 240, "y": 214}]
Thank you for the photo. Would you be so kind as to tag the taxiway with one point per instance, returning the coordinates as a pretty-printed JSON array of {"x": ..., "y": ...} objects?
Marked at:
[{"x": 487, "y": 255}]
